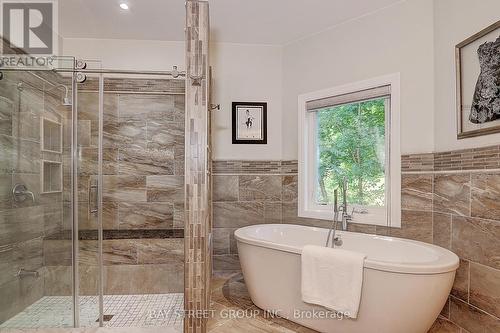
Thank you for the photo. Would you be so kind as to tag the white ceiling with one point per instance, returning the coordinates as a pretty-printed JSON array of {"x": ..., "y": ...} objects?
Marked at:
[{"x": 275, "y": 22}]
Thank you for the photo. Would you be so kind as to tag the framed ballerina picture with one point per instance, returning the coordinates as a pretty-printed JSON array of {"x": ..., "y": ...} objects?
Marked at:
[
  {"x": 478, "y": 83},
  {"x": 249, "y": 123}
]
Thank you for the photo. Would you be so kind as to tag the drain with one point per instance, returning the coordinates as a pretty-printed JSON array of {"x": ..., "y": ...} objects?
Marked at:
[{"x": 105, "y": 318}]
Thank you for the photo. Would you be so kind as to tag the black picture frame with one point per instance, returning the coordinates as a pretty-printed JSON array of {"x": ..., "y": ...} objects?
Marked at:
[{"x": 253, "y": 109}]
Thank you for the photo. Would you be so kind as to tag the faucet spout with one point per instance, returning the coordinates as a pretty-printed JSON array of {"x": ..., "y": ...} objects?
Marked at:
[{"x": 346, "y": 217}]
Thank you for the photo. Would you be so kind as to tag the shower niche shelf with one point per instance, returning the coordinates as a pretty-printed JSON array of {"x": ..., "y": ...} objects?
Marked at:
[
  {"x": 51, "y": 177},
  {"x": 51, "y": 135}
]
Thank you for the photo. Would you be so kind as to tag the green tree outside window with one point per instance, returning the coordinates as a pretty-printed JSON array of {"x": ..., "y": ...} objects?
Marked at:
[{"x": 351, "y": 144}]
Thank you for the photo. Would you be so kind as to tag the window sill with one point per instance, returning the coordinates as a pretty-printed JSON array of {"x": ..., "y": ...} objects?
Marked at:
[{"x": 367, "y": 218}]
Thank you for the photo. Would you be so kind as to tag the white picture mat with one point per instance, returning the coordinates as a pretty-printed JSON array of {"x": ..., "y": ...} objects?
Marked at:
[
  {"x": 255, "y": 114},
  {"x": 470, "y": 70}
]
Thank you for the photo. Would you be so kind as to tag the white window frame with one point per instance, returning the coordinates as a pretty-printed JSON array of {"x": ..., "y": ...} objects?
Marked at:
[{"x": 307, "y": 206}]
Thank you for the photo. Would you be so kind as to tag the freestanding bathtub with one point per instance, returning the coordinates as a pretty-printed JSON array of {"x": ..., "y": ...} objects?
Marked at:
[{"x": 405, "y": 283}]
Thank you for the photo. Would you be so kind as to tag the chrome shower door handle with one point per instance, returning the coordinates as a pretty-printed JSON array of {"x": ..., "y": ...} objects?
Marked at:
[{"x": 93, "y": 188}]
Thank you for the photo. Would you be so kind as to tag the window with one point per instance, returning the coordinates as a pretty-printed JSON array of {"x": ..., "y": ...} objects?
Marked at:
[{"x": 351, "y": 133}]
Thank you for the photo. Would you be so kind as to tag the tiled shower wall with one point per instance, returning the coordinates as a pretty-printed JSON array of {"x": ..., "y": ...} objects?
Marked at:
[
  {"x": 143, "y": 191},
  {"x": 198, "y": 185},
  {"x": 23, "y": 225},
  {"x": 450, "y": 199}
]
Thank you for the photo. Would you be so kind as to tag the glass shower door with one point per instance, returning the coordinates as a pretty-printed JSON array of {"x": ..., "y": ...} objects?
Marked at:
[
  {"x": 88, "y": 219},
  {"x": 130, "y": 156},
  {"x": 35, "y": 196}
]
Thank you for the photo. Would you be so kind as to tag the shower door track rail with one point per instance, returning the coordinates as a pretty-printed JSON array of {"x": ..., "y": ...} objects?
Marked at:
[{"x": 97, "y": 71}]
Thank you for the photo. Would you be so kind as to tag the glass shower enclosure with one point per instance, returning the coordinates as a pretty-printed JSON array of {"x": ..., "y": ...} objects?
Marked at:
[{"x": 92, "y": 197}]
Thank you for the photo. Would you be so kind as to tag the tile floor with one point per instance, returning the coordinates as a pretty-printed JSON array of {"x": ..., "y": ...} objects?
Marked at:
[
  {"x": 154, "y": 310},
  {"x": 230, "y": 302},
  {"x": 229, "y": 293}
]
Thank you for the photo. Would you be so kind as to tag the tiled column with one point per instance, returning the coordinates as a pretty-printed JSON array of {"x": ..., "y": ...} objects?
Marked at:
[{"x": 197, "y": 174}]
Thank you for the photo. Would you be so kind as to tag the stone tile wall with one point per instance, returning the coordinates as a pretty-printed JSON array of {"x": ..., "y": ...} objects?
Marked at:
[
  {"x": 457, "y": 209},
  {"x": 143, "y": 189},
  {"x": 23, "y": 225},
  {"x": 198, "y": 185}
]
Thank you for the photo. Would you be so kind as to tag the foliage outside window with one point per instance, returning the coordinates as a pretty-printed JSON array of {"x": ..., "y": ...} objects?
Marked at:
[
  {"x": 351, "y": 132},
  {"x": 351, "y": 145}
]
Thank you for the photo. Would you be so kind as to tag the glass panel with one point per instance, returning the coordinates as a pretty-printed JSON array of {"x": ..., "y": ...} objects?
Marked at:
[
  {"x": 35, "y": 200},
  {"x": 352, "y": 146},
  {"x": 143, "y": 200},
  {"x": 89, "y": 269}
]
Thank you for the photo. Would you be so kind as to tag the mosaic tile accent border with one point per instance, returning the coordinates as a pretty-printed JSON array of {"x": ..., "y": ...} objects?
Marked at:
[
  {"x": 198, "y": 220},
  {"x": 484, "y": 158},
  {"x": 417, "y": 162},
  {"x": 254, "y": 167},
  {"x": 136, "y": 85},
  {"x": 120, "y": 234}
]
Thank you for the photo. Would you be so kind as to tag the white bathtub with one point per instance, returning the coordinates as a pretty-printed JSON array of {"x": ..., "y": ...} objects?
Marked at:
[{"x": 405, "y": 283}]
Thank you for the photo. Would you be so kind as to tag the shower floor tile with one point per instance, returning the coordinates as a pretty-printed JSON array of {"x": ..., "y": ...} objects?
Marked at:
[{"x": 119, "y": 311}]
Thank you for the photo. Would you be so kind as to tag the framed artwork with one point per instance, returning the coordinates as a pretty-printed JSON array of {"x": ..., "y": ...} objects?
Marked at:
[
  {"x": 249, "y": 123},
  {"x": 478, "y": 83}
]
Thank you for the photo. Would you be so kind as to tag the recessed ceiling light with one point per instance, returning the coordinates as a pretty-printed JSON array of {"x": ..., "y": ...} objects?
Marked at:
[{"x": 124, "y": 6}]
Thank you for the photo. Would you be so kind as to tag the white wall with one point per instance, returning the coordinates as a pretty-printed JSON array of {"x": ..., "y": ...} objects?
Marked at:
[
  {"x": 395, "y": 39},
  {"x": 246, "y": 73},
  {"x": 456, "y": 20},
  {"x": 241, "y": 72},
  {"x": 127, "y": 54},
  {"x": 413, "y": 37}
]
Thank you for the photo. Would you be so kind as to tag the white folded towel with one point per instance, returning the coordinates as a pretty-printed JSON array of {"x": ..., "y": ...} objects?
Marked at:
[{"x": 332, "y": 278}]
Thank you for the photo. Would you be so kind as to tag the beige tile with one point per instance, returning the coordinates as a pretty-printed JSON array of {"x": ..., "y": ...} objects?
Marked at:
[
  {"x": 441, "y": 229},
  {"x": 58, "y": 281},
  {"x": 179, "y": 216},
  {"x": 237, "y": 214},
  {"x": 471, "y": 318},
  {"x": 233, "y": 294},
  {"x": 124, "y": 189},
  {"x": 221, "y": 240},
  {"x": 260, "y": 188},
  {"x": 226, "y": 262},
  {"x": 476, "y": 240},
  {"x": 165, "y": 188},
  {"x": 273, "y": 212},
  {"x": 225, "y": 188},
  {"x": 161, "y": 135},
  {"x": 160, "y": 251},
  {"x": 123, "y": 134},
  {"x": 57, "y": 252},
  {"x": 452, "y": 193},
  {"x": 363, "y": 228},
  {"x": 485, "y": 191},
  {"x": 460, "y": 287},
  {"x": 146, "y": 161},
  {"x": 416, "y": 192},
  {"x": 485, "y": 288},
  {"x": 290, "y": 184},
  {"x": 444, "y": 326},
  {"x": 146, "y": 215},
  {"x": 119, "y": 252},
  {"x": 143, "y": 279},
  {"x": 290, "y": 216},
  {"x": 16, "y": 230},
  {"x": 416, "y": 225},
  {"x": 445, "y": 312},
  {"x": 134, "y": 106},
  {"x": 219, "y": 317}
]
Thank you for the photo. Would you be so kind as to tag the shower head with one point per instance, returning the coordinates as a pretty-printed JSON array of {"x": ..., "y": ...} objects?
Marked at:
[{"x": 66, "y": 101}]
